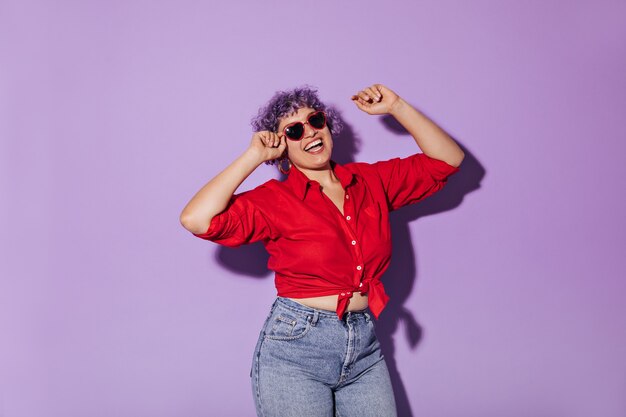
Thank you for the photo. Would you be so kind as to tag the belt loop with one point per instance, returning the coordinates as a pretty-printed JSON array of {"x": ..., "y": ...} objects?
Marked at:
[{"x": 316, "y": 315}]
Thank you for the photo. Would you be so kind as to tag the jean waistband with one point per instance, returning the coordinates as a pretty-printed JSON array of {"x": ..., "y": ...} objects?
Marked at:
[{"x": 301, "y": 308}]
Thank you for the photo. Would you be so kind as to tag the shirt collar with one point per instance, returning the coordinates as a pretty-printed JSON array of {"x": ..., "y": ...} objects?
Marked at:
[{"x": 300, "y": 183}]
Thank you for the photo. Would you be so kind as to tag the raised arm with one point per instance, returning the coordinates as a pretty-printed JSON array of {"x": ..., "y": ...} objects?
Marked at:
[
  {"x": 214, "y": 196},
  {"x": 431, "y": 139}
]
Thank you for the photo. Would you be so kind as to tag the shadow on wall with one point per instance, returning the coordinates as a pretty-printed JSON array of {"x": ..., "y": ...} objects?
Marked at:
[{"x": 400, "y": 278}]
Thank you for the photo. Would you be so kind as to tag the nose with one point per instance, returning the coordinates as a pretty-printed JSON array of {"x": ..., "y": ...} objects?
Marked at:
[{"x": 308, "y": 130}]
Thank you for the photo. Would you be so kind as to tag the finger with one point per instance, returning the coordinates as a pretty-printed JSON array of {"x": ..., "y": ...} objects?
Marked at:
[
  {"x": 371, "y": 93},
  {"x": 361, "y": 94},
  {"x": 264, "y": 139},
  {"x": 358, "y": 100},
  {"x": 364, "y": 96},
  {"x": 282, "y": 144},
  {"x": 360, "y": 105},
  {"x": 374, "y": 94}
]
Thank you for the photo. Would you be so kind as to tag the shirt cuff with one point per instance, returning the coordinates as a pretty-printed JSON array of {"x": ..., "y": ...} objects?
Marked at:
[{"x": 214, "y": 228}]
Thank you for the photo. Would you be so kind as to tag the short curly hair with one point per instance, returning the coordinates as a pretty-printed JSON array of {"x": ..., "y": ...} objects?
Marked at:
[{"x": 284, "y": 103}]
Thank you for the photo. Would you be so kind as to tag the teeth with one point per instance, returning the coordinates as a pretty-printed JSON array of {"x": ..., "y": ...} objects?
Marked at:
[{"x": 312, "y": 144}]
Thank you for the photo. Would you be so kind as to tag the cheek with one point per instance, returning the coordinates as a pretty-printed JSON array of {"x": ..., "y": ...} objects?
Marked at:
[
  {"x": 330, "y": 139},
  {"x": 292, "y": 147}
]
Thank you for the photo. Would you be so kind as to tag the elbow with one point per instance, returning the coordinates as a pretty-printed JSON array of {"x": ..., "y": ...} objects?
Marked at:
[
  {"x": 193, "y": 225},
  {"x": 455, "y": 158},
  {"x": 459, "y": 159}
]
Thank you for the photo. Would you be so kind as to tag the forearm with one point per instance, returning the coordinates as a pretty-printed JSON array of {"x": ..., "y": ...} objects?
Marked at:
[
  {"x": 214, "y": 196},
  {"x": 431, "y": 139}
]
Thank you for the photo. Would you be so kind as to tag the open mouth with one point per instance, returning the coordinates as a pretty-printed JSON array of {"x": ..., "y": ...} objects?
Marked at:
[{"x": 314, "y": 146}]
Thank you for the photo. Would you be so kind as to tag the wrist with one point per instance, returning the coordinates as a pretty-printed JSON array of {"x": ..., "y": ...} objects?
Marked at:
[
  {"x": 253, "y": 156},
  {"x": 397, "y": 106}
]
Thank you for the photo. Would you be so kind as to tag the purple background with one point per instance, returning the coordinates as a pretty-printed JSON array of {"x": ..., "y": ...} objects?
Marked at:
[{"x": 508, "y": 286}]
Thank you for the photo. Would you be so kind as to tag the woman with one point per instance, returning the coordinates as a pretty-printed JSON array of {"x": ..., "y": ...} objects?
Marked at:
[{"x": 326, "y": 229}]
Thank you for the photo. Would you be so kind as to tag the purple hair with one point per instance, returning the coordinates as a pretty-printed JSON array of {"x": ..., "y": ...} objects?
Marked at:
[{"x": 284, "y": 103}]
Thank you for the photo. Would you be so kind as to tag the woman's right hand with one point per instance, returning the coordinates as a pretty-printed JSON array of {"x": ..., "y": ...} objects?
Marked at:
[{"x": 268, "y": 145}]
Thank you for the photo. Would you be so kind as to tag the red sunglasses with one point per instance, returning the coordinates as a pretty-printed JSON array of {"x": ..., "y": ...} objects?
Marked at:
[{"x": 295, "y": 131}]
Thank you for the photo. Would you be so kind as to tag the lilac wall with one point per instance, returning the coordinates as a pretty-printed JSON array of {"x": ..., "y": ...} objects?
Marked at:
[{"x": 508, "y": 286}]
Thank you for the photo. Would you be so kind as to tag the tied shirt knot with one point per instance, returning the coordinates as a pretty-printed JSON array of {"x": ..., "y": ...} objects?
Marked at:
[{"x": 377, "y": 298}]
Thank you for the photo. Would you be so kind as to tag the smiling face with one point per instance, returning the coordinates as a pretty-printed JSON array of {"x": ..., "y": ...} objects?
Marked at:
[{"x": 318, "y": 142}]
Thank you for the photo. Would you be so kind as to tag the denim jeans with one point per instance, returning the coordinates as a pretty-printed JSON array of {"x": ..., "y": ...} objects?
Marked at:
[{"x": 307, "y": 362}]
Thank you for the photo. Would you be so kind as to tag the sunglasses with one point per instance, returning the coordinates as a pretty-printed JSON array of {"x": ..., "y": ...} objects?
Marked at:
[{"x": 295, "y": 131}]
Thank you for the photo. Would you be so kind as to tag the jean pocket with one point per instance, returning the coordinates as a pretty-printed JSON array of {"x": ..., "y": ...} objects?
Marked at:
[{"x": 287, "y": 326}]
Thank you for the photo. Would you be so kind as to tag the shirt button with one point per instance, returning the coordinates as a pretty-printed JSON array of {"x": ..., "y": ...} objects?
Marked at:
[
  {"x": 354, "y": 242},
  {"x": 348, "y": 217},
  {"x": 343, "y": 293},
  {"x": 359, "y": 267},
  {"x": 361, "y": 284},
  {"x": 347, "y": 196}
]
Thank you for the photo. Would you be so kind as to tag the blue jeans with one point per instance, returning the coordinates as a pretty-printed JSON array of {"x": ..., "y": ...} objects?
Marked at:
[{"x": 307, "y": 362}]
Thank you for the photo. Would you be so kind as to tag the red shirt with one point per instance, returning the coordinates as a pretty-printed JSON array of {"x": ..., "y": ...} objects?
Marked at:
[{"x": 314, "y": 249}]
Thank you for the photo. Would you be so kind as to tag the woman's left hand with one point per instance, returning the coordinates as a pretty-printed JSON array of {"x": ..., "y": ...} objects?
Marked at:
[{"x": 376, "y": 99}]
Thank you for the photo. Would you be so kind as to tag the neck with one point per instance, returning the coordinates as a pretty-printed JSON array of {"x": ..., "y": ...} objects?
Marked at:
[{"x": 325, "y": 176}]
